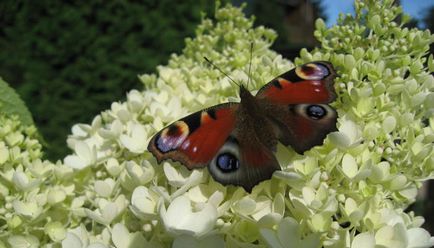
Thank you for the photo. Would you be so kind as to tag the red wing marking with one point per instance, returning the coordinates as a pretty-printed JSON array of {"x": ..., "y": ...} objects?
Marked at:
[{"x": 201, "y": 146}]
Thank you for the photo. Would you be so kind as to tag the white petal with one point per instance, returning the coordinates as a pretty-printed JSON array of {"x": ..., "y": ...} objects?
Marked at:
[
  {"x": 176, "y": 177},
  {"x": 136, "y": 140},
  {"x": 104, "y": 188},
  {"x": 308, "y": 195},
  {"x": 78, "y": 131},
  {"x": 109, "y": 212},
  {"x": 84, "y": 151},
  {"x": 29, "y": 209},
  {"x": 287, "y": 232},
  {"x": 55, "y": 230},
  {"x": 419, "y": 238},
  {"x": 96, "y": 216},
  {"x": 55, "y": 196},
  {"x": 364, "y": 240},
  {"x": 4, "y": 154},
  {"x": 244, "y": 206},
  {"x": 72, "y": 241},
  {"x": 120, "y": 236},
  {"x": 81, "y": 234},
  {"x": 340, "y": 139},
  {"x": 84, "y": 157},
  {"x": 75, "y": 162},
  {"x": 349, "y": 166},
  {"x": 186, "y": 241},
  {"x": 311, "y": 241},
  {"x": 389, "y": 236},
  {"x": 18, "y": 241},
  {"x": 20, "y": 179},
  {"x": 389, "y": 124},
  {"x": 97, "y": 245},
  {"x": 263, "y": 207},
  {"x": 270, "y": 238},
  {"x": 351, "y": 130},
  {"x": 270, "y": 220},
  {"x": 142, "y": 201},
  {"x": 180, "y": 217}
]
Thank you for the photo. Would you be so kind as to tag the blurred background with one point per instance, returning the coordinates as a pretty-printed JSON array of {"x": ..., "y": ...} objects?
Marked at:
[{"x": 69, "y": 60}]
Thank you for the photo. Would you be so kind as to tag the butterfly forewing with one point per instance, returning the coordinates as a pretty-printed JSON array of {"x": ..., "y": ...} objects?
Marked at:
[
  {"x": 195, "y": 139},
  {"x": 309, "y": 83}
]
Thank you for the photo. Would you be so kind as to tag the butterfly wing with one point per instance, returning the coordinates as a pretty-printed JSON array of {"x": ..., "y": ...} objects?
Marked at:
[
  {"x": 195, "y": 139},
  {"x": 221, "y": 138},
  {"x": 242, "y": 163},
  {"x": 302, "y": 126},
  {"x": 296, "y": 102},
  {"x": 246, "y": 158},
  {"x": 308, "y": 83}
]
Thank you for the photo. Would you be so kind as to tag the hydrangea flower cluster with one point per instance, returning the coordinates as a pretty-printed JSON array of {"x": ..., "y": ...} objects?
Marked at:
[
  {"x": 350, "y": 192},
  {"x": 35, "y": 195}
]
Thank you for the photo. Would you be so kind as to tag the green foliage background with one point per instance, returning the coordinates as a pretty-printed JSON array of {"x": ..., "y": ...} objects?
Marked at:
[{"x": 69, "y": 60}]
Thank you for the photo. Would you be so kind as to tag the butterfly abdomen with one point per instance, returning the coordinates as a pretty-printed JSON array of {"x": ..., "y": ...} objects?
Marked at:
[{"x": 252, "y": 118}]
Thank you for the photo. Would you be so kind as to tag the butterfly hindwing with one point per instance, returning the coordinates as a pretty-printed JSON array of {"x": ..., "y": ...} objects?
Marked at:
[
  {"x": 302, "y": 126},
  {"x": 243, "y": 162},
  {"x": 195, "y": 139}
]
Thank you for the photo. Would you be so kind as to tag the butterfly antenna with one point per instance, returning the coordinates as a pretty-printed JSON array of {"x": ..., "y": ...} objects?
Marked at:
[
  {"x": 224, "y": 73},
  {"x": 250, "y": 65}
]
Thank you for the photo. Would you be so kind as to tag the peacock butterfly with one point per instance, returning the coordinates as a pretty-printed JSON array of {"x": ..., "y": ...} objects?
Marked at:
[{"x": 237, "y": 140}]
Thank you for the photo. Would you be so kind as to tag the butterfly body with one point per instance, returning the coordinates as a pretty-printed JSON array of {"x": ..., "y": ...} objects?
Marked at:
[{"x": 237, "y": 140}]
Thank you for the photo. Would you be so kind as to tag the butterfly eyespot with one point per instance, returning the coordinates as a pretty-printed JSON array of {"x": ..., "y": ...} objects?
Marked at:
[
  {"x": 227, "y": 162},
  {"x": 312, "y": 71},
  {"x": 316, "y": 111},
  {"x": 172, "y": 137},
  {"x": 226, "y": 165}
]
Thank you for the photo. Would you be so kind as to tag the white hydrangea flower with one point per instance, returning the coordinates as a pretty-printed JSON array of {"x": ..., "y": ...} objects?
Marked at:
[
  {"x": 56, "y": 231},
  {"x": 419, "y": 237},
  {"x": 27, "y": 209},
  {"x": 104, "y": 188},
  {"x": 107, "y": 211},
  {"x": 122, "y": 238},
  {"x": 79, "y": 238},
  {"x": 136, "y": 140},
  {"x": 181, "y": 217},
  {"x": 349, "y": 192},
  {"x": 20, "y": 241},
  {"x": 85, "y": 156},
  {"x": 363, "y": 240},
  {"x": 144, "y": 202},
  {"x": 288, "y": 235},
  {"x": 23, "y": 182}
]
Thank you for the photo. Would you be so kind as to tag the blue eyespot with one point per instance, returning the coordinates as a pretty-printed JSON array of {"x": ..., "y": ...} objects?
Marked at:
[
  {"x": 316, "y": 112},
  {"x": 227, "y": 162}
]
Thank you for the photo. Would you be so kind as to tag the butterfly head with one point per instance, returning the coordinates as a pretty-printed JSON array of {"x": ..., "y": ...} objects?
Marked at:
[{"x": 244, "y": 92}]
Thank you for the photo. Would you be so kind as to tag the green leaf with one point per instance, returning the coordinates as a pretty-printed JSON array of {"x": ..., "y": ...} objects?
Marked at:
[{"x": 11, "y": 104}]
